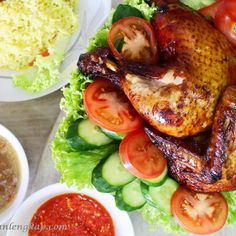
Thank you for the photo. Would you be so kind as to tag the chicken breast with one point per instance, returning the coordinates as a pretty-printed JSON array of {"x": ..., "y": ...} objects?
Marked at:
[{"x": 198, "y": 59}]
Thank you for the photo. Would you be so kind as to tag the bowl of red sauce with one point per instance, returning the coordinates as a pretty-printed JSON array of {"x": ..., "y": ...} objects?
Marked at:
[{"x": 63, "y": 211}]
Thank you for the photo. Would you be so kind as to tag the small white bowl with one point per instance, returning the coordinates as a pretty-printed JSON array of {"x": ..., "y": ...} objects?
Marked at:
[
  {"x": 7, "y": 213},
  {"x": 24, "y": 214}
]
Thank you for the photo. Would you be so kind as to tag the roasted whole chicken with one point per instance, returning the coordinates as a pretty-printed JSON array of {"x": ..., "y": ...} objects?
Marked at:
[{"x": 190, "y": 91}]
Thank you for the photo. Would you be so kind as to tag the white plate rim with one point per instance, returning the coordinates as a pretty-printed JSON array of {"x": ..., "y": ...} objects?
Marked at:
[
  {"x": 10, "y": 93},
  {"x": 33, "y": 202}
]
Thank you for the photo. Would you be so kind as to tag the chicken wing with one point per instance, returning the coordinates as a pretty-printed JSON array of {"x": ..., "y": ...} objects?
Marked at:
[{"x": 214, "y": 170}]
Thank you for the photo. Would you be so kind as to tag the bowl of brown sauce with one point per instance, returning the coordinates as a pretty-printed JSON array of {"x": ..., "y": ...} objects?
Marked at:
[{"x": 14, "y": 174}]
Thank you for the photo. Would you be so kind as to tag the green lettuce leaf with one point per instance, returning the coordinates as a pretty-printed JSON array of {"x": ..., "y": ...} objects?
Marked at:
[
  {"x": 123, "y": 11},
  {"x": 157, "y": 218},
  {"x": 72, "y": 103},
  {"x": 42, "y": 75},
  {"x": 231, "y": 199},
  {"x": 76, "y": 167},
  {"x": 147, "y": 10}
]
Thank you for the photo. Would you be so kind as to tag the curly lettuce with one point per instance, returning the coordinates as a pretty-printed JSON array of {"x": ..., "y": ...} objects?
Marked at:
[
  {"x": 147, "y": 10},
  {"x": 231, "y": 199},
  {"x": 157, "y": 218},
  {"x": 44, "y": 74},
  {"x": 72, "y": 103},
  {"x": 76, "y": 167}
]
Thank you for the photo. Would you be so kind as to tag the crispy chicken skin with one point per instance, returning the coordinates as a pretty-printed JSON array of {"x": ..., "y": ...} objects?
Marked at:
[
  {"x": 99, "y": 63},
  {"x": 178, "y": 97},
  {"x": 208, "y": 170},
  {"x": 181, "y": 102},
  {"x": 188, "y": 92},
  {"x": 202, "y": 163}
]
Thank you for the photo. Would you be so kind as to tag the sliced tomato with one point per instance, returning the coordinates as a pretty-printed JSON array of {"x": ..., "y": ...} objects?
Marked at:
[
  {"x": 109, "y": 108},
  {"x": 230, "y": 6},
  {"x": 136, "y": 39},
  {"x": 210, "y": 11},
  {"x": 140, "y": 156},
  {"x": 226, "y": 24},
  {"x": 199, "y": 213}
]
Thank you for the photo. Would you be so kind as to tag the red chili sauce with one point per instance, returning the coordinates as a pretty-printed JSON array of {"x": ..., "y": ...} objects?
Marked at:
[{"x": 71, "y": 215}]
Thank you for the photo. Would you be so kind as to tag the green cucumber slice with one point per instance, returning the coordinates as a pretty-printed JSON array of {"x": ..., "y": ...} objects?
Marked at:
[
  {"x": 157, "y": 181},
  {"x": 99, "y": 182},
  {"x": 114, "y": 172},
  {"x": 113, "y": 135},
  {"x": 92, "y": 134},
  {"x": 160, "y": 196},
  {"x": 74, "y": 140},
  {"x": 130, "y": 197},
  {"x": 85, "y": 135}
]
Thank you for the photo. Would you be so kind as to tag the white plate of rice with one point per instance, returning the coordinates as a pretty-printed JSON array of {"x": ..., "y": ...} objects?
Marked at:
[{"x": 87, "y": 17}]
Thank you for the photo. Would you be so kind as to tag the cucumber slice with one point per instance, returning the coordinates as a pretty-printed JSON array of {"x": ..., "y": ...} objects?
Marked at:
[
  {"x": 157, "y": 181},
  {"x": 92, "y": 134},
  {"x": 110, "y": 175},
  {"x": 84, "y": 135},
  {"x": 74, "y": 140},
  {"x": 130, "y": 197},
  {"x": 114, "y": 172},
  {"x": 145, "y": 192},
  {"x": 160, "y": 196},
  {"x": 113, "y": 135},
  {"x": 99, "y": 182}
]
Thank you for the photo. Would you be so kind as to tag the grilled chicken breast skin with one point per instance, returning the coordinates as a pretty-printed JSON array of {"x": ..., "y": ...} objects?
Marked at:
[{"x": 181, "y": 101}]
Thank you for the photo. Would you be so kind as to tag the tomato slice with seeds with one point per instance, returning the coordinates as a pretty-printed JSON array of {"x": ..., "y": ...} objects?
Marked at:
[
  {"x": 140, "y": 156},
  {"x": 199, "y": 213},
  {"x": 136, "y": 39},
  {"x": 230, "y": 6},
  {"x": 224, "y": 14},
  {"x": 211, "y": 9},
  {"x": 109, "y": 107},
  {"x": 226, "y": 24}
]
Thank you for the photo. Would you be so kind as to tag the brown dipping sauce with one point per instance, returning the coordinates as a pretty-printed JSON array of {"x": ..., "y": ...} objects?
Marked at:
[{"x": 9, "y": 173}]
